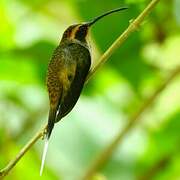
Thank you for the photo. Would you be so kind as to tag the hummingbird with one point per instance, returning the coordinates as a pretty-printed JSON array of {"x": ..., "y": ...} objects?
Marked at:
[{"x": 67, "y": 72}]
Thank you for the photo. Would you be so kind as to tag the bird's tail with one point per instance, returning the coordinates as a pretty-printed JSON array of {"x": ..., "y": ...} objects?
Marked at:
[
  {"x": 51, "y": 122},
  {"x": 50, "y": 126},
  {"x": 44, "y": 155}
]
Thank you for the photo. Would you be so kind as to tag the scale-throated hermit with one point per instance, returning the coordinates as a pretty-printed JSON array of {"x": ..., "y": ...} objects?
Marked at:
[{"x": 67, "y": 72}]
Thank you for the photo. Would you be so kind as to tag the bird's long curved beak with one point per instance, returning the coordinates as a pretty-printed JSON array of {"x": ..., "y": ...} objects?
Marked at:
[{"x": 90, "y": 23}]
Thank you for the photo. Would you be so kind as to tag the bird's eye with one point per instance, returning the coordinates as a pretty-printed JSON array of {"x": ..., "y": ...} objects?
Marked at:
[
  {"x": 81, "y": 32},
  {"x": 83, "y": 29}
]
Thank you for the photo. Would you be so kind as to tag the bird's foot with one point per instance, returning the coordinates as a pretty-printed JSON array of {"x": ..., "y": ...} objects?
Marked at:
[{"x": 44, "y": 133}]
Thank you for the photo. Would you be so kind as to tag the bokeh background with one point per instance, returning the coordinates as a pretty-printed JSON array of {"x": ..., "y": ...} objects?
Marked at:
[{"x": 30, "y": 30}]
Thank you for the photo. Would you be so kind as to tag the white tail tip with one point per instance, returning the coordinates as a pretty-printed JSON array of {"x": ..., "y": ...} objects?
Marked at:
[{"x": 44, "y": 156}]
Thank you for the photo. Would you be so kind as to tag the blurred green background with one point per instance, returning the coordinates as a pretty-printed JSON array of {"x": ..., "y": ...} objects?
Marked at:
[{"x": 30, "y": 30}]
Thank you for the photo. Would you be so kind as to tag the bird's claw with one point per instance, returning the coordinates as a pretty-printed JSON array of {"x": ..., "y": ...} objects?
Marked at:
[{"x": 44, "y": 133}]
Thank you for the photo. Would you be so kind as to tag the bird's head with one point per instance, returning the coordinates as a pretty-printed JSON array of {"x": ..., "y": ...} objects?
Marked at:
[{"x": 77, "y": 31}]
